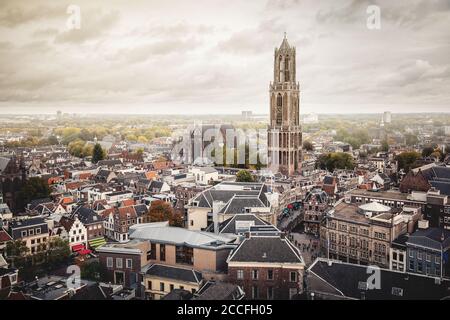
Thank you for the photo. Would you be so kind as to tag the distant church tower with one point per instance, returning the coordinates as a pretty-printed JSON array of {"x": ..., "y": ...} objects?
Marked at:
[{"x": 285, "y": 133}]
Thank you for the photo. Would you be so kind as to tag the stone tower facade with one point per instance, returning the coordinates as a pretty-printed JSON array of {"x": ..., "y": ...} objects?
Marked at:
[{"x": 285, "y": 132}]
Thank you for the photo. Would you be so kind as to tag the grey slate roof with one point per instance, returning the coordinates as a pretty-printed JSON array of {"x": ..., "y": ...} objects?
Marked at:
[
  {"x": 266, "y": 249},
  {"x": 4, "y": 163},
  {"x": 177, "y": 295},
  {"x": 155, "y": 186},
  {"x": 345, "y": 279},
  {"x": 221, "y": 193},
  {"x": 103, "y": 173},
  {"x": 175, "y": 273},
  {"x": 86, "y": 215},
  {"x": 329, "y": 180},
  {"x": 213, "y": 290},
  {"x": 27, "y": 223},
  {"x": 229, "y": 225},
  {"x": 318, "y": 194},
  {"x": 109, "y": 162},
  {"x": 238, "y": 203},
  {"x": 430, "y": 238},
  {"x": 438, "y": 177},
  {"x": 140, "y": 209}
]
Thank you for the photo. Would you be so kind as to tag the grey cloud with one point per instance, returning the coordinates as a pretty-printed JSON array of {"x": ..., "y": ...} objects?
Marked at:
[
  {"x": 12, "y": 15},
  {"x": 418, "y": 71},
  {"x": 141, "y": 53},
  {"x": 157, "y": 48},
  {"x": 94, "y": 24},
  {"x": 179, "y": 29},
  {"x": 44, "y": 33}
]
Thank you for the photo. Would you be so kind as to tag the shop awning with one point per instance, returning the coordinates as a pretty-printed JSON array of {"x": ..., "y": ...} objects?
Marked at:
[
  {"x": 84, "y": 252},
  {"x": 78, "y": 247},
  {"x": 95, "y": 243}
]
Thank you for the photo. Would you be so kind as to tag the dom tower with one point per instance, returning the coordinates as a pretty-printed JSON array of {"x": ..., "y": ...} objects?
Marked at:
[{"x": 285, "y": 133}]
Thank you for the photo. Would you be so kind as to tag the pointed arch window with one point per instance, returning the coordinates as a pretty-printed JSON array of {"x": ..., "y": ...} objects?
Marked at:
[
  {"x": 286, "y": 68},
  {"x": 279, "y": 100},
  {"x": 279, "y": 108}
]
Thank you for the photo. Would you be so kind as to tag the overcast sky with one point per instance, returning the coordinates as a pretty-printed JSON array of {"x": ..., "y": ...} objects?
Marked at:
[{"x": 216, "y": 56}]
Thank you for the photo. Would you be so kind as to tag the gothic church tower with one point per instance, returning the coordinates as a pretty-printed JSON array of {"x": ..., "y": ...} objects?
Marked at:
[{"x": 285, "y": 133}]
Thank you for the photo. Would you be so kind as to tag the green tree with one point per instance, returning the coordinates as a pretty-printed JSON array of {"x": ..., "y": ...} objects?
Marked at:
[
  {"x": 407, "y": 160},
  {"x": 308, "y": 146},
  {"x": 52, "y": 140},
  {"x": 427, "y": 151},
  {"x": 98, "y": 153},
  {"x": 76, "y": 148},
  {"x": 58, "y": 251},
  {"x": 335, "y": 160},
  {"x": 244, "y": 176},
  {"x": 34, "y": 188},
  {"x": 411, "y": 139},
  {"x": 16, "y": 250},
  {"x": 93, "y": 271},
  {"x": 384, "y": 145}
]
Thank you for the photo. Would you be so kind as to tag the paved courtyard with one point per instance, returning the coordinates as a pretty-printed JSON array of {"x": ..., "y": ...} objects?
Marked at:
[{"x": 308, "y": 244}]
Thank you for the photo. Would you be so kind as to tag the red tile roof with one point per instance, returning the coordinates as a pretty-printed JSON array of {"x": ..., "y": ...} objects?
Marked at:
[{"x": 4, "y": 236}]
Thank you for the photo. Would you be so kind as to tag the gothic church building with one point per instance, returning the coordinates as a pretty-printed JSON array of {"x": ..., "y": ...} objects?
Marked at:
[{"x": 285, "y": 133}]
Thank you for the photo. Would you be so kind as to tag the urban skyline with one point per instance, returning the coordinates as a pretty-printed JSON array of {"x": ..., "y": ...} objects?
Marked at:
[{"x": 146, "y": 157}]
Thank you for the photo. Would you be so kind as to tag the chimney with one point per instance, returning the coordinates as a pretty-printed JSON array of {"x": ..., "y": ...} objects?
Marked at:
[
  {"x": 216, "y": 207},
  {"x": 423, "y": 224},
  {"x": 216, "y": 222}
]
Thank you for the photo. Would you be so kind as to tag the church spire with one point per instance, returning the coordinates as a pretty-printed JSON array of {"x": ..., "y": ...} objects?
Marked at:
[{"x": 285, "y": 44}]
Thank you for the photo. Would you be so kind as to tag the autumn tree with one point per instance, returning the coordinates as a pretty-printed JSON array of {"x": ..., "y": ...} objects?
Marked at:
[{"x": 163, "y": 211}]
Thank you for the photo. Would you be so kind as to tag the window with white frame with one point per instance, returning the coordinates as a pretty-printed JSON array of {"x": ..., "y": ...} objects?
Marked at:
[
  {"x": 109, "y": 262},
  {"x": 119, "y": 262},
  {"x": 240, "y": 274},
  {"x": 129, "y": 263}
]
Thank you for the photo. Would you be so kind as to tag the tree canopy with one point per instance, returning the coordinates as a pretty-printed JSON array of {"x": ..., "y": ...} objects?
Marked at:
[
  {"x": 34, "y": 188},
  {"x": 407, "y": 160},
  {"x": 163, "y": 211},
  {"x": 244, "y": 176},
  {"x": 335, "y": 160},
  {"x": 97, "y": 153},
  {"x": 427, "y": 151},
  {"x": 308, "y": 146}
]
